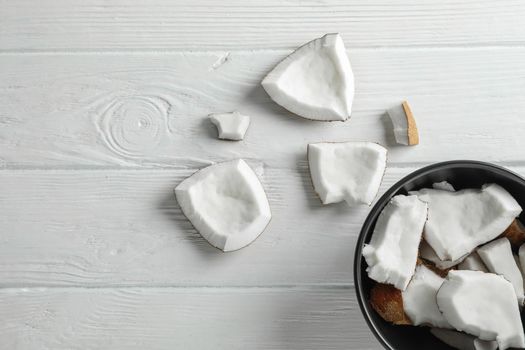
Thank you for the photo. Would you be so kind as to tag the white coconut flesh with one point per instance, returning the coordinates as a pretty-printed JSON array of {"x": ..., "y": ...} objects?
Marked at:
[
  {"x": 226, "y": 203},
  {"x": 483, "y": 305},
  {"x": 473, "y": 262},
  {"x": 419, "y": 299},
  {"x": 347, "y": 171},
  {"x": 315, "y": 82},
  {"x": 392, "y": 252},
  {"x": 521, "y": 257},
  {"x": 498, "y": 258},
  {"x": 462, "y": 341},
  {"x": 443, "y": 185},
  {"x": 230, "y": 126},
  {"x": 460, "y": 221},
  {"x": 405, "y": 130},
  {"x": 427, "y": 253}
]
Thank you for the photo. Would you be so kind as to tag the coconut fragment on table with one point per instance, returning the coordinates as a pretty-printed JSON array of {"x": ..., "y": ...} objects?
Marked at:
[
  {"x": 347, "y": 171},
  {"x": 315, "y": 81},
  {"x": 230, "y": 126},
  {"x": 405, "y": 129},
  {"x": 226, "y": 204}
]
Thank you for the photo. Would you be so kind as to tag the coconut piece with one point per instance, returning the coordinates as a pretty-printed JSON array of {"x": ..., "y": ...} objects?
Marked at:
[
  {"x": 426, "y": 252},
  {"x": 391, "y": 254},
  {"x": 387, "y": 301},
  {"x": 226, "y": 203},
  {"x": 443, "y": 185},
  {"x": 474, "y": 263},
  {"x": 315, "y": 82},
  {"x": 515, "y": 234},
  {"x": 460, "y": 221},
  {"x": 231, "y": 126},
  {"x": 462, "y": 341},
  {"x": 521, "y": 256},
  {"x": 497, "y": 256},
  {"x": 405, "y": 129},
  {"x": 482, "y": 304},
  {"x": 349, "y": 171},
  {"x": 419, "y": 298}
]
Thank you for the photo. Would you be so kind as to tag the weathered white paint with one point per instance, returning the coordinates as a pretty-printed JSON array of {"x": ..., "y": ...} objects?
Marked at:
[
  {"x": 253, "y": 24},
  {"x": 182, "y": 318},
  {"x": 103, "y": 109},
  {"x": 63, "y": 110}
]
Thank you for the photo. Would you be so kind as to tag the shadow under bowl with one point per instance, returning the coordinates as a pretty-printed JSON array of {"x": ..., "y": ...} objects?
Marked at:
[{"x": 461, "y": 174}]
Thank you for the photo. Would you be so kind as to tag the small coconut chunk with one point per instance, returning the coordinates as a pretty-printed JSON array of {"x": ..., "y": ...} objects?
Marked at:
[
  {"x": 419, "y": 299},
  {"x": 521, "y": 258},
  {"x": 484, "y": 305},
  {"x": 391, "y": 254},
  {"x": 226, "y": 203},
  {"x": 231, "y": 126},
  {"x": 497, "y": 256},
  {"x": 387, "y": 301},
  {"x": 474, "y": 263},
  {"x": 460, "y": 221},
  {"x": 347, "y": 171},
  {"x": 515, "y": 234},
  {"x": 462, "y": 341},
  {"x": 315, "y": 82},
  {"x": 426, "y": 252},
  {"x": 443, "y": 185},
  {"x": 405, "y": 129}
]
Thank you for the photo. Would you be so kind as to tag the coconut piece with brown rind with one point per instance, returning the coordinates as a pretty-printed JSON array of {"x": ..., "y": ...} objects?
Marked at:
[
  {"x": 405, "y": 129},
  {"x": 387, "y": 301},
  {"x": 515, "y": 233}
]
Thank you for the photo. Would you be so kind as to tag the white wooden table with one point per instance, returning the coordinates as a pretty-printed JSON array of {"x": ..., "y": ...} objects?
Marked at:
[{"x": 103, "y": 110}]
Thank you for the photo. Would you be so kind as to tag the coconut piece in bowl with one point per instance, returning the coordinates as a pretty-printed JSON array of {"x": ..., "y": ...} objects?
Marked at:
[
  {"x": 426, "y": 252},
  {"x": 387, "y": 301},
  {"x": 497, "y": 256},
  {"x": 419, "y": 299},
  {"x": 484, "y": 305},
  {"x": 473, "y": 262},
  {"x": 392, "y": 252},
  {"x": 515, "y": 233},
  {"x": 460, "y": 221}
]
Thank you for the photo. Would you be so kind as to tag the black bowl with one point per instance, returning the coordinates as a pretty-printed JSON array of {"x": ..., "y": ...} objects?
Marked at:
[{"x": 461, "y": 174}]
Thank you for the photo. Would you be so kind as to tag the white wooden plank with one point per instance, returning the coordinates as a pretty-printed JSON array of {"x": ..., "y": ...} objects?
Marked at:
[
  {"x": 124, "y": 228},
  {"x": 151, "y": 110},
  {"x": 182, "y": 319},
  {"x": 205, "y": 24}
]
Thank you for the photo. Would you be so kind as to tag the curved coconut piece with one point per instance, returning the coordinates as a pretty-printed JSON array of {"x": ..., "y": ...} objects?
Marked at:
[
  {"x": 443, "y": 185},
  {"x": 226, "y": 203},
  {"x": 392, "y": 252},
  {"x": 315, "y": 82},
  {"x": 497, "y": 256},
  {"x": 419, "y": 299},
  {"x": 462, "y": 341},
  {"x": 474, "y": 263},
  {"x": 387, "y": 301},
  {"x": 405, "y": 129},
  {"x": 484, "y": 305},
  {"x": 347, "y": 171},
  {"x": 426, "y": 252},
  {"x": 515, "y": 233},
  {"x": 460, "y": 221},
  {"x": 231, "y": 126}
]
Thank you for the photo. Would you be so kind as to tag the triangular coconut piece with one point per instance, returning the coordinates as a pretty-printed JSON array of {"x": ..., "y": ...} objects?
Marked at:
[
  {"x": 315, "y": 81},
  {"x": 426, "y": 252},
  {"x": 347, "y": 171},
  {"x": 484, "y": 305},
  {"x": 419, "y": 299},
  {"x": 405, "y": 129},
  {"x": 392, "y": 252},
  {"x": 460, "y": 221},
  {"x": 474, "y": 263},
  {"x": 226, "y": 203},
  {"x": 497, "y": 256},
  {"x": 462, "y": 341},
  {"x": 231, "y": 126}
]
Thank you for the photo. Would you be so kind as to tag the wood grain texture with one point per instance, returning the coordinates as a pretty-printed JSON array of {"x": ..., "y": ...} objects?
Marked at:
[
  {"x": 150, "y": 110},
  {"x": 125, "y": 228},
  {"x": 240, "y": 24},
  {"x": 182, "y": 319}
]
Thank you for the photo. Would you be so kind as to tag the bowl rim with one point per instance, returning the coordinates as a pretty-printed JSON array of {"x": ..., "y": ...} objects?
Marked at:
[{"x": 378, "y": 207}]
